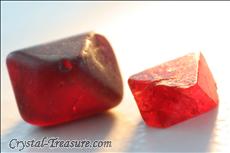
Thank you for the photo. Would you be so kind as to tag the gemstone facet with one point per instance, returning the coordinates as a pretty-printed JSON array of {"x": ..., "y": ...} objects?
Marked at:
[
  {"x": 174, "y": 91},
  {"x": 65, "y": 80}
]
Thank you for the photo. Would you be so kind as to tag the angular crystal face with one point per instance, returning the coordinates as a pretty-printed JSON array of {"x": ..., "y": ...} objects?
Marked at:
[
  {"x": 65, "y": 80},
  {"x": 174, "y": 91}
]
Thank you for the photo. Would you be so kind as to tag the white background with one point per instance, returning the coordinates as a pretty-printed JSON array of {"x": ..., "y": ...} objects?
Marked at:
[{"x": 143, "y": 34}]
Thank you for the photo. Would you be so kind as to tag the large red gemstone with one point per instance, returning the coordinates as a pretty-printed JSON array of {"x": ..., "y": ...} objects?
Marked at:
[
  {"x": 174, "y": 91},
  {"x": 65, "y": 80}
]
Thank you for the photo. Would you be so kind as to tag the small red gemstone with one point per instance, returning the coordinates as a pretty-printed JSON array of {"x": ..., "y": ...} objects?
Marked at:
[
  {"x": 174, "y": 91},
  {"x": 65, "y": 80}
]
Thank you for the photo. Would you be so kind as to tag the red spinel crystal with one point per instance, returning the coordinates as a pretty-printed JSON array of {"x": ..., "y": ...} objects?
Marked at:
[
  {"x": 65, "y": 80},
  {"x": 174, "y": 91}
]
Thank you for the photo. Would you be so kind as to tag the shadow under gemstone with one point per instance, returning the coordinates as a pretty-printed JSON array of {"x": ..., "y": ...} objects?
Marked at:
[
  {"x": 93, "y": 128},
  {"x": 193, "y": 135}
]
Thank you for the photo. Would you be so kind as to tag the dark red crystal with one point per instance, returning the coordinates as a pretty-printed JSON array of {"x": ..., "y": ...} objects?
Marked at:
[
  {"x": 174, "y": 91},
  {"x": 65, "y": 80}
]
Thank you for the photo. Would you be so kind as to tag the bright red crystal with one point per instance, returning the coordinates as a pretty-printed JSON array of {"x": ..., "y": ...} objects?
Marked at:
[
  {"x": 174, "y": 91},
  {"x": 65, "y": 80}
]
